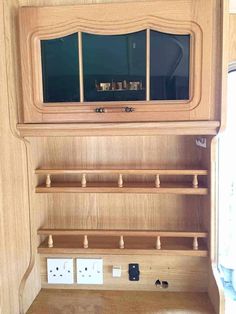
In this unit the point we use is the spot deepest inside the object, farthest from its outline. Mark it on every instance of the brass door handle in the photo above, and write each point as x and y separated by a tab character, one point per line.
114	109
100	110
129	109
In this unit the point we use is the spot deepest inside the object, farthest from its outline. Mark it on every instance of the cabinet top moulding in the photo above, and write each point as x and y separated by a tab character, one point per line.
120	129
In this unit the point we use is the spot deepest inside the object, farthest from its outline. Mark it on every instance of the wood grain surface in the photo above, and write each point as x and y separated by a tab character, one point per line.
114	302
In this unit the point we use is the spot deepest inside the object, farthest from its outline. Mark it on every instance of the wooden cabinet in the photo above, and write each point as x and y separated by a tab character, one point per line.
129	62
140	188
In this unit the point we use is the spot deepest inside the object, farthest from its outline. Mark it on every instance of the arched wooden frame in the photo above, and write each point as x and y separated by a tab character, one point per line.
110	28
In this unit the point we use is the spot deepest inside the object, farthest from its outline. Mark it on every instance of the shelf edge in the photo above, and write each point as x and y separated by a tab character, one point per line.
119	129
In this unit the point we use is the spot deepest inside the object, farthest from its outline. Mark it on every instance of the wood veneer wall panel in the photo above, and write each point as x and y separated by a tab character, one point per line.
127	152
122	211
192	277
115	211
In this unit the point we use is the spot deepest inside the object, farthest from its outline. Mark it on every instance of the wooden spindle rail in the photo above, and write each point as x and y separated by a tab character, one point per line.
48	181
175	187
50	241
122	243
157	181
120	181
195	243
195	181
83	181
85	243
150	241
158	243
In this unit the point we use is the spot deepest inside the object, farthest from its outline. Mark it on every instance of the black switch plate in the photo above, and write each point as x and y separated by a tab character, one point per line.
134	272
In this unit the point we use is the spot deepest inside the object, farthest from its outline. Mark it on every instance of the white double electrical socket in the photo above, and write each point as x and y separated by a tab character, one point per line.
60	270
89	271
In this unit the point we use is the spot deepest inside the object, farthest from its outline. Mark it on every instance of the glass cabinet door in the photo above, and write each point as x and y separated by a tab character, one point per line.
60	69
114	67
169	66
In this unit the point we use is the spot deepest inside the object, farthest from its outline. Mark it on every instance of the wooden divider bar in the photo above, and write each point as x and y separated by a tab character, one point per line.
119	233
183	172
121	245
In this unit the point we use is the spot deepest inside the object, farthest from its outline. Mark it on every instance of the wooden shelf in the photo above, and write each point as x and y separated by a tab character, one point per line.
155	186
120	129
131	233
61	241
182	172
110	187
91	301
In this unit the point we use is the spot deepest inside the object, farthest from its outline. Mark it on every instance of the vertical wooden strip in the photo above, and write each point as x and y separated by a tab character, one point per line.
148	64
120	181
158	243
85	242
195	243
81	75
50	241
83	181
48	181
195	181
122	243
157	181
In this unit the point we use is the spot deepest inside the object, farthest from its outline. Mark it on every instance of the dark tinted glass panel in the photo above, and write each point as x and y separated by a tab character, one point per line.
114	67
60	67
169	66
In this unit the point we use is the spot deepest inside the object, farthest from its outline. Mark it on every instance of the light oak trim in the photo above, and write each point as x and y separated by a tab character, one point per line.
110	187
181	172
166	252
81	69
121	129
130	233
148	62
110	246
225	53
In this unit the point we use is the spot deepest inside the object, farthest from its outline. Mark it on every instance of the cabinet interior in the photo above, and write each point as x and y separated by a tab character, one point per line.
166	212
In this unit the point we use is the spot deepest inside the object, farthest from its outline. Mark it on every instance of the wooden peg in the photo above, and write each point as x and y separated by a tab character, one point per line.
85	242
83	181
120	181
50	241
195	243
158	243
48	181
195	181
157	181
122	243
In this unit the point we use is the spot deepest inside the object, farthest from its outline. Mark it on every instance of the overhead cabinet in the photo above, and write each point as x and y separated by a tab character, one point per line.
144	61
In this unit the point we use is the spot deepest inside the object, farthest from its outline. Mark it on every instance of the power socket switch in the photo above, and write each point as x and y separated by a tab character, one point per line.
60	270
89	271
116	271
134	272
